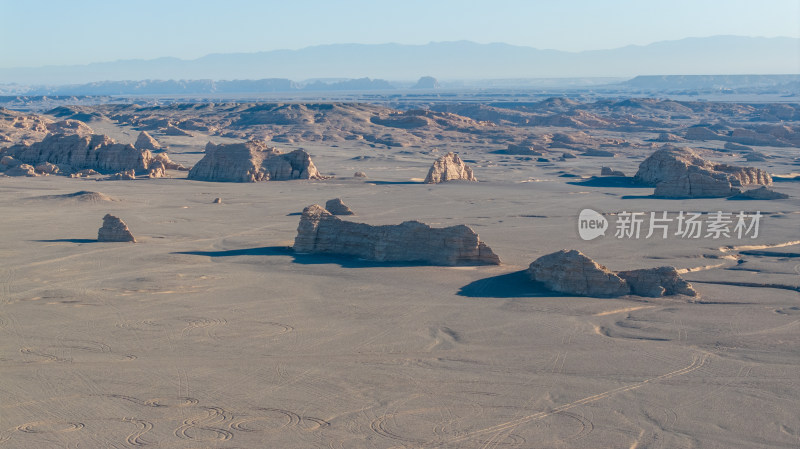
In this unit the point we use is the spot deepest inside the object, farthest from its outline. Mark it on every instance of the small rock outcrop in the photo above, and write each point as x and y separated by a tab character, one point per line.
125	175
321	232
172	130
114	230
146	142
608	171
252	161
73	153
681	173
571	272
337	207
761	193
667	137
449	167
656	282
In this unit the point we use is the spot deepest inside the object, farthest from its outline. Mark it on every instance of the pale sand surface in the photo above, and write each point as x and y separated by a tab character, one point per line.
210	333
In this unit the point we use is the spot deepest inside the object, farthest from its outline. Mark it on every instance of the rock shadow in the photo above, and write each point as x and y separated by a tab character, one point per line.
307	259
390	183
607	181
510	285
67	241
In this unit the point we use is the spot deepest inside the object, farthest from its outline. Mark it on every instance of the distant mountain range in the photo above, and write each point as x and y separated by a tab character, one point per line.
461	60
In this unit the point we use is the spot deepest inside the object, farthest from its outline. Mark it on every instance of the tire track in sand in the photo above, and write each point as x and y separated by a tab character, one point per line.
206	422
499	429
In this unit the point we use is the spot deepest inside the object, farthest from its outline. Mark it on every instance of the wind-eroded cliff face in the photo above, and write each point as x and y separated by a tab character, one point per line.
681	173
411	241
252	161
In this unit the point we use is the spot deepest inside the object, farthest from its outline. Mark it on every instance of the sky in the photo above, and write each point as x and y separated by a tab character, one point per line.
51	32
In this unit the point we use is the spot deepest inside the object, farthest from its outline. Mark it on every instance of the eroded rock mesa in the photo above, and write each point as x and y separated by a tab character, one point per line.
321	232
449	167
114	230
252	161
72	153
681	173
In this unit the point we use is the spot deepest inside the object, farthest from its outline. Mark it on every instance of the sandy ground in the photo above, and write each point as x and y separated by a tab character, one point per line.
209	332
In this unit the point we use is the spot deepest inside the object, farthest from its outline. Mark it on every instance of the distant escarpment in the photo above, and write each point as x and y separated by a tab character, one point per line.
252	161
682	173
73	153
321	232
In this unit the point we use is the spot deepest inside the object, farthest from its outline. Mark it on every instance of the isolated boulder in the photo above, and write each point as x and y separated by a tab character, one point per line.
146	142
114	230
682	173
607	171
656	282
571	272
449	167
320	232
252	161
337	207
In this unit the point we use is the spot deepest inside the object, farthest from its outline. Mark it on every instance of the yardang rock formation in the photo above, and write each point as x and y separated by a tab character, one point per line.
449	167
114	230
146	142
681	173
321	232
73	153
572	272
252	161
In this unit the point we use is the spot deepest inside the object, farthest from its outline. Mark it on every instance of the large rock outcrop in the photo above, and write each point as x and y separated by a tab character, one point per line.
571	272
323	233
681	173
655	282
449	167
252	161
114	230
75	152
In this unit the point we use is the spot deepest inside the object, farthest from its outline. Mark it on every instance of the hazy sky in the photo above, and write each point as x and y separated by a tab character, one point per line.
43	32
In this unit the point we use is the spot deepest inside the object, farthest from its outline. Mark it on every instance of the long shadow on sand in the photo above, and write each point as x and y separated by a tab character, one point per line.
511	285
67	241
390	183
607	181
305	259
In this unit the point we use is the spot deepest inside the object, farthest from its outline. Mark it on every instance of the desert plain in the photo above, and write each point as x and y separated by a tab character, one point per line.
210	331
